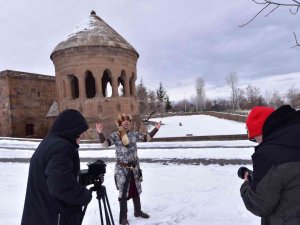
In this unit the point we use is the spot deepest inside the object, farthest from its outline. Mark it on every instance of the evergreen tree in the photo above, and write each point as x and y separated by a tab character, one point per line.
168	103
160	96
161	93
142	97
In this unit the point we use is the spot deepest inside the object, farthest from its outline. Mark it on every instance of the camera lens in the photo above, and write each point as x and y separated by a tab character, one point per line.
241	172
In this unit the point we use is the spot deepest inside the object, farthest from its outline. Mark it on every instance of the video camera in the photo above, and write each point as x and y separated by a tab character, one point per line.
241	173
94	174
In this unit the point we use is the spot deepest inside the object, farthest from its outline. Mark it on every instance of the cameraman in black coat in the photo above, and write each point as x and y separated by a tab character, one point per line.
273	193
54	196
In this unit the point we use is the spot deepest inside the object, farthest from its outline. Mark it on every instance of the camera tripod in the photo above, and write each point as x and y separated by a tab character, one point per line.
101	196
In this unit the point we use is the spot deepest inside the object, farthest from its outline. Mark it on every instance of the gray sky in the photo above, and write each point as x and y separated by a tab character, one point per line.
178	40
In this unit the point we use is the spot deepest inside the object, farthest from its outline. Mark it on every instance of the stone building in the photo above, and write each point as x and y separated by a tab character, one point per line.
95	73
25	100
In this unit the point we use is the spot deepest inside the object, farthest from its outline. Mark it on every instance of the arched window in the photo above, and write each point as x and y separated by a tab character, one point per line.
74	86
90	87
121	83
106	84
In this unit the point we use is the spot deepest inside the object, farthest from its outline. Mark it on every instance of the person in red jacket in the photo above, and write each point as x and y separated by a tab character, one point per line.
53	195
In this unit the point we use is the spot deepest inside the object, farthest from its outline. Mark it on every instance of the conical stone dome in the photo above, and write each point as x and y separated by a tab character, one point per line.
95	69
94	32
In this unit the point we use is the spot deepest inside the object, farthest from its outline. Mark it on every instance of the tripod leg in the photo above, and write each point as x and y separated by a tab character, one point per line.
99	202
107	218
101	195
109	210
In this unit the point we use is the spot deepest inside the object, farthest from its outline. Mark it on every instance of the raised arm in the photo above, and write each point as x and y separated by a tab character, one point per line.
105	142
148	136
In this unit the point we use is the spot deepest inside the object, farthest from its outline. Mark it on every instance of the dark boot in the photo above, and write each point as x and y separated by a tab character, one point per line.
123	212
137	208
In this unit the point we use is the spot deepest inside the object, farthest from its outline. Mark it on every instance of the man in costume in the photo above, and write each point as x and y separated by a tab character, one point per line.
128	174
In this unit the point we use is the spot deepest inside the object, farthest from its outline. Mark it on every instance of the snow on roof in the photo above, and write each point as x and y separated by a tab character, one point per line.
94	32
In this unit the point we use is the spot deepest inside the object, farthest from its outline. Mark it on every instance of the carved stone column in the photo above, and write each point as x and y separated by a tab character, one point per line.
81	84
98	83
114	86
68	88
132	86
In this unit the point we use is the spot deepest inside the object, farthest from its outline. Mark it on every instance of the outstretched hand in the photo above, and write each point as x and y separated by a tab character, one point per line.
157	125
99	128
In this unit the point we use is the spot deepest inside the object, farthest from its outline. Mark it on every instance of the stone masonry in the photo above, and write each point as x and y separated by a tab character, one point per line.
95	73
25	100
88	64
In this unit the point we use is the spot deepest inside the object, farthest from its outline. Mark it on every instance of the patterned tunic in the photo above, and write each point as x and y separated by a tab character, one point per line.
127	154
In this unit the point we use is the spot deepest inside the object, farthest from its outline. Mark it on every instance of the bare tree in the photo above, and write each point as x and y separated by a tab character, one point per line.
183	106
253	96
233	81
220	104
152	107
208	104
270	6
274	99
293	97
241	99
200	94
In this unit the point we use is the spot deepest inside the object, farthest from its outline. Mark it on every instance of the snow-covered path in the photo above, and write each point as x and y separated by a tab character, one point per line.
172	194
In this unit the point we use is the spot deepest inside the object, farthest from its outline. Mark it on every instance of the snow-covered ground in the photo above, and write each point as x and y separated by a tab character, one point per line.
172	194
198	125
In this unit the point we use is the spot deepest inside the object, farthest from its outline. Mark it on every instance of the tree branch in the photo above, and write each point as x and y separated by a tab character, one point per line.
272	11
294	13
282	4
277	5
274	3
146	120
255	15
296	40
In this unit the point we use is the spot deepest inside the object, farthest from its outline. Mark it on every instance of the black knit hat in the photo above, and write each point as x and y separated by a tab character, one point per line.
283	117
69	124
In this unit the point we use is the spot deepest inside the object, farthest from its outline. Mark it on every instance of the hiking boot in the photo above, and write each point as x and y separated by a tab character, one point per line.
137	208
123	212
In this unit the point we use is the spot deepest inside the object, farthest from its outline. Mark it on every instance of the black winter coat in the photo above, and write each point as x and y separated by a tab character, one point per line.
274	192
53	196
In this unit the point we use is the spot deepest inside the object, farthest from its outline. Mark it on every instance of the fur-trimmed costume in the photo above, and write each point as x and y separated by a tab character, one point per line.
127	155
128	175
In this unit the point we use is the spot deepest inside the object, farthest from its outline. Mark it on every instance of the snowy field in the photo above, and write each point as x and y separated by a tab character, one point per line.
198	125
172	194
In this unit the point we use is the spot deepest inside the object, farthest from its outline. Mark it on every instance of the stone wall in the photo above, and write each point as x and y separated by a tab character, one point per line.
5	116
31	96
105	111
227	116
97	60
